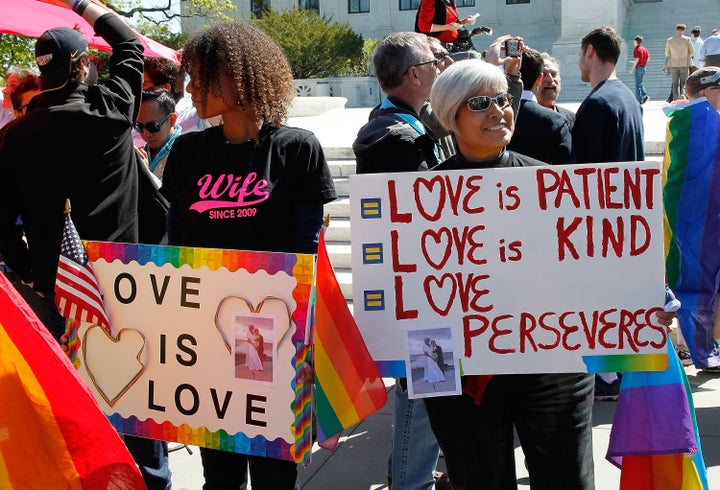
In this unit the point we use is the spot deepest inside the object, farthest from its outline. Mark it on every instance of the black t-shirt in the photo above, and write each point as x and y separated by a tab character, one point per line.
249	196
505	159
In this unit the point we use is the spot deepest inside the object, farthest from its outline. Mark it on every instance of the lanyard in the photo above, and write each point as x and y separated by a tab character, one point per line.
411	120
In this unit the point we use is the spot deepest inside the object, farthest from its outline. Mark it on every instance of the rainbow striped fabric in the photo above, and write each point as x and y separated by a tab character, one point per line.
53	433
654	438
348	386
691	179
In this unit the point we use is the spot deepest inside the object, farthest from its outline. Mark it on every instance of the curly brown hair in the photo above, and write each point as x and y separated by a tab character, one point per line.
161	71
258	66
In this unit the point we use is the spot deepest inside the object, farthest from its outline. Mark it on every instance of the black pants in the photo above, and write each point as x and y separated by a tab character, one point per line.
552	414
44	308
151	457
228	471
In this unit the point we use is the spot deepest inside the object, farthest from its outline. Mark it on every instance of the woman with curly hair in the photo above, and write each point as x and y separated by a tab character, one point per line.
251	183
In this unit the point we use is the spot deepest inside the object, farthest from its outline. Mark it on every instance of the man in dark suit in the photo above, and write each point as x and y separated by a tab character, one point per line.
548	90
439	356
539	132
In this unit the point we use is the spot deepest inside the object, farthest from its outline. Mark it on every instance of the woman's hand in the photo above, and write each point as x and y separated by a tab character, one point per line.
307	374
64	340
452	26
470	19
665	318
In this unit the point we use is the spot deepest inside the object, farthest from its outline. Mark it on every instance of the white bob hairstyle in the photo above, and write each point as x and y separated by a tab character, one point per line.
458	83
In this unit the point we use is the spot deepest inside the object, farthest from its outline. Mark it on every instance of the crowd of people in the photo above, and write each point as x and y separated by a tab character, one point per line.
438	115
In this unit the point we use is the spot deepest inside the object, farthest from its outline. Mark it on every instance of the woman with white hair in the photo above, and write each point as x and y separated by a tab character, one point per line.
551	413
473	102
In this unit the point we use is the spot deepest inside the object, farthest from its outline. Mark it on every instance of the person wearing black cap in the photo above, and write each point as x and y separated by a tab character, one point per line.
705	82
75	142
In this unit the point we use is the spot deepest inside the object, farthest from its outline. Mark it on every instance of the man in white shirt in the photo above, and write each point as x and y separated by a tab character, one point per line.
697	43
710	52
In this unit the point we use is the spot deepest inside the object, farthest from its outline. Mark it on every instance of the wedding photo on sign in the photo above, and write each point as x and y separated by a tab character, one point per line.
536	269
204	347
431	362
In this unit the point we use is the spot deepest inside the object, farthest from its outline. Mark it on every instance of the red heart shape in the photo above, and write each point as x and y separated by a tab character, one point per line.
420	200
437	237
440	287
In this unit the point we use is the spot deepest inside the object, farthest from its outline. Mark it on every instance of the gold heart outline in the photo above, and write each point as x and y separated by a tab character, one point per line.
256	310
114	340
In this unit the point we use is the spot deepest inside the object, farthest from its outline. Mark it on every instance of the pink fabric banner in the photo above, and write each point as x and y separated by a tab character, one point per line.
33	17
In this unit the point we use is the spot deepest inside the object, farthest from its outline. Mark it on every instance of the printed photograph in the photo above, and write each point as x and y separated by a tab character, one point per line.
431	362
255	339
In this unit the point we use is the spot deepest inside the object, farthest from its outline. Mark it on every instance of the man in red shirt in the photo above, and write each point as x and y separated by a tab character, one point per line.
439	18
641	56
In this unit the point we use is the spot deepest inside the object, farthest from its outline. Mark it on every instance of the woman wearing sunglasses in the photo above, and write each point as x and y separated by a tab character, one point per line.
550	412
479	114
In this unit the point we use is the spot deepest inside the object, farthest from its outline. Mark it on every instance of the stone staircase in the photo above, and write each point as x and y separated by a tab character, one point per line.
338	233
655	21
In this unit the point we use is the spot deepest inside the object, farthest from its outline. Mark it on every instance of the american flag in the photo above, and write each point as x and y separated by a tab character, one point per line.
77	294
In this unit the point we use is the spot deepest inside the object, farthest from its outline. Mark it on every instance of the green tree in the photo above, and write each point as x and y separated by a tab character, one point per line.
16	51
162	34
363	67
162	12
315	46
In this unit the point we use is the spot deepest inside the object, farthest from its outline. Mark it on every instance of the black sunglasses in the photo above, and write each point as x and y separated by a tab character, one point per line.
481	103
441	56
434	61
152	126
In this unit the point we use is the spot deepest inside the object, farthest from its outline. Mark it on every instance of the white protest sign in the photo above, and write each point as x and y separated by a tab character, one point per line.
201	346
539	269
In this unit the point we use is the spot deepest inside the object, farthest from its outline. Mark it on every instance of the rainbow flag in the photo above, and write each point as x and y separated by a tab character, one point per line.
348	386
691	179
654	438
53	434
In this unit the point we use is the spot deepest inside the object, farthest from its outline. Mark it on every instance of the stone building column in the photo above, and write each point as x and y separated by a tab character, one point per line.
578	17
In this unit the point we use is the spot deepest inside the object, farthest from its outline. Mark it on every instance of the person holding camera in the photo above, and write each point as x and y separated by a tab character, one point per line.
439	18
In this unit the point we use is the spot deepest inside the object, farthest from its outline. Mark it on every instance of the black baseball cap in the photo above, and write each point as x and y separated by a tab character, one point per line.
55	51
702	78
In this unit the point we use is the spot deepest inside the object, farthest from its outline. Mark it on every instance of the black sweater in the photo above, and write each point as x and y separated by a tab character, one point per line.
75	144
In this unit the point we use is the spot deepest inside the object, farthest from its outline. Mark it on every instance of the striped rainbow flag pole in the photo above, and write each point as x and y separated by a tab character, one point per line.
348	386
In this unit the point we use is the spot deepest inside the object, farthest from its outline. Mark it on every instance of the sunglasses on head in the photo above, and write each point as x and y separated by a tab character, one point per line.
152	126
481	103
710	78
